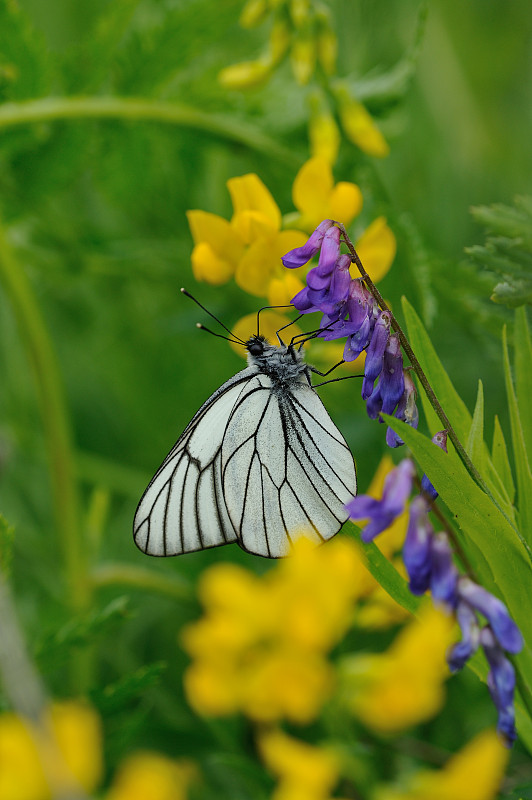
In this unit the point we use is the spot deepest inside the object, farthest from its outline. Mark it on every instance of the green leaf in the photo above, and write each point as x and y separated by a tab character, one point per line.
522	466
523	376
506	567
116	696
454	406
475	440
24	62
500	460
384	572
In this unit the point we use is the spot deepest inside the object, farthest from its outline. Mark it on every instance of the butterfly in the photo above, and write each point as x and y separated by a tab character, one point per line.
260	464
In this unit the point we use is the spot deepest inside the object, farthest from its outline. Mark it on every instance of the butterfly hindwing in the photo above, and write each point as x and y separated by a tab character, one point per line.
286	468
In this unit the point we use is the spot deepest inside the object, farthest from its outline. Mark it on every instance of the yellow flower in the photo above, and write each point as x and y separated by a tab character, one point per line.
376	248
403	686
262	646
316	196
305	772
249	247
31	763
359	126
475	773
149	776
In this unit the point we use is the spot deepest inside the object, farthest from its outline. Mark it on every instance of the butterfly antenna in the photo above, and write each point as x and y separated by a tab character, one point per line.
266	308
219	335
219	321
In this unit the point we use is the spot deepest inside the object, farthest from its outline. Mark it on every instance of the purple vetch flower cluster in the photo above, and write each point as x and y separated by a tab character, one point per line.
351	313
429	563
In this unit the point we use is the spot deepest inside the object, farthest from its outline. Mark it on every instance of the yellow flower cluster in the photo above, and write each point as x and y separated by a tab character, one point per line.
475	773
304	772
404	685
262	646
34	763
302	29
250	245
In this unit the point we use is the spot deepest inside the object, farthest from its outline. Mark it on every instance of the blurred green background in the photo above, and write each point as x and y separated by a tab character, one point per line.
95	212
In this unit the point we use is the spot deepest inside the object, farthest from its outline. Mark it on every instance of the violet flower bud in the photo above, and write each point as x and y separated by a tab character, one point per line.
444	575
381	513
300	255
501	684
375	353
417	546
504	628
462	651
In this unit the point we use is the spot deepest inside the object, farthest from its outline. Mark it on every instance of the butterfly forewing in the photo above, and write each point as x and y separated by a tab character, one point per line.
183	508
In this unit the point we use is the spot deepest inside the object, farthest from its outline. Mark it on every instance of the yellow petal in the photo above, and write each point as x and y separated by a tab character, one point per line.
376	248
256	268
248	193
303	57
345	202
150	776
78	732
282	290
208	267
360	129
311	189
245	75
217	232
324	137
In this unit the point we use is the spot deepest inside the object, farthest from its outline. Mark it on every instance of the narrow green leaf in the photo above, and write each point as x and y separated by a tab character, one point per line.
500	459
523	375
506	567
522	467
454	406
475	440
384	572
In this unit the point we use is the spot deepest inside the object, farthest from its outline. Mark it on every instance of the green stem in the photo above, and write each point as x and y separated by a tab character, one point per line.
141	578
139	108
54	415
473	471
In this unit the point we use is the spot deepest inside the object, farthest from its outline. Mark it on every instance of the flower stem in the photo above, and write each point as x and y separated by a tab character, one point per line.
141	578
140	108
54	416
415	363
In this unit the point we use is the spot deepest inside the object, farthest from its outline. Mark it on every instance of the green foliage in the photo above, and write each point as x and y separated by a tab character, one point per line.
508	250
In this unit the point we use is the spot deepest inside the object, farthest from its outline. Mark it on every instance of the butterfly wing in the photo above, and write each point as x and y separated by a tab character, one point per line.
183	509
286	468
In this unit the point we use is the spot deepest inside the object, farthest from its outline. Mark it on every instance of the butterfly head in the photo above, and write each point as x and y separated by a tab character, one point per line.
282	363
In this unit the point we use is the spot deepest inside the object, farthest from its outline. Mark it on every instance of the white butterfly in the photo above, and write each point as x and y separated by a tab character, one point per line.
260	464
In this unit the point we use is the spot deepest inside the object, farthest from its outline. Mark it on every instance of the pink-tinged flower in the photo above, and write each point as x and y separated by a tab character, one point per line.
381	513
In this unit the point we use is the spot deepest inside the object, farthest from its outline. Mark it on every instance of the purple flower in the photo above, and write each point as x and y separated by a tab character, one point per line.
501	683
439	439
406	410
391	378
504	628
397	488
329	291
444	575
375	353
464	649
418	545
300	255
